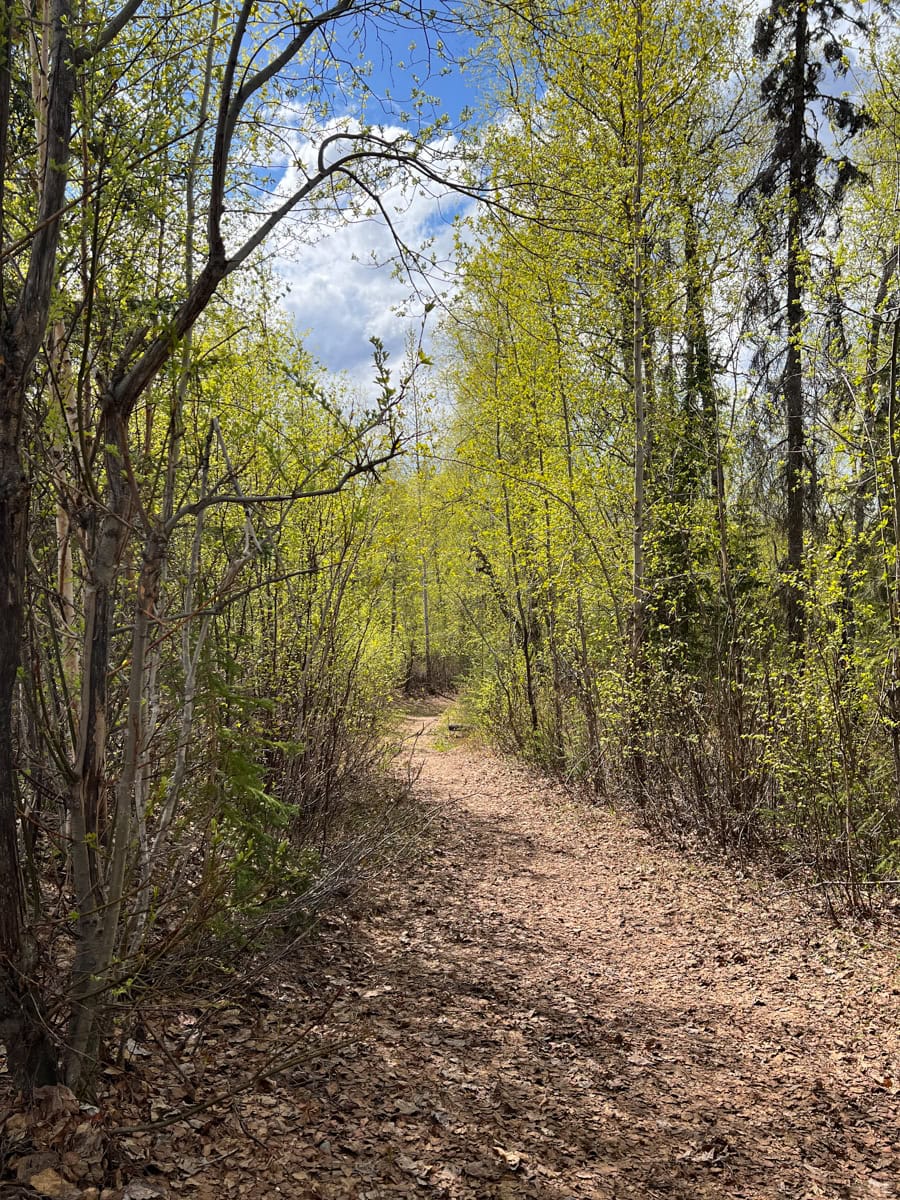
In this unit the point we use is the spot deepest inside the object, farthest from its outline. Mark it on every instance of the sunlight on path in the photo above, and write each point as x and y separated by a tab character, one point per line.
553	1007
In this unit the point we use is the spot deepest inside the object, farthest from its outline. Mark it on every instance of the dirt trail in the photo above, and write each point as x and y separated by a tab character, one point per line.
548	1005
555	1007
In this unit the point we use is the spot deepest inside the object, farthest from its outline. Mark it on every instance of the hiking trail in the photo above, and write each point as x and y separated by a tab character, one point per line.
545	1003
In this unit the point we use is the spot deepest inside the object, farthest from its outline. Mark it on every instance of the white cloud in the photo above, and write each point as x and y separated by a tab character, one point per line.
339	298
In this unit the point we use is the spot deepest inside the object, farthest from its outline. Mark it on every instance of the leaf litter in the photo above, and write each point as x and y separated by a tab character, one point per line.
542	1004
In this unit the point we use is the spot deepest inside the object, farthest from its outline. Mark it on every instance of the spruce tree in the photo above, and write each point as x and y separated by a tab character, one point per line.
804	43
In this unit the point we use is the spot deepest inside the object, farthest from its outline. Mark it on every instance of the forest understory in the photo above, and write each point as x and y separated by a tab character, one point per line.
619	468
540	1002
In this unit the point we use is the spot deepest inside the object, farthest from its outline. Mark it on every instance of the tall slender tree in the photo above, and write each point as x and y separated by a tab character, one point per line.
803	43
94	67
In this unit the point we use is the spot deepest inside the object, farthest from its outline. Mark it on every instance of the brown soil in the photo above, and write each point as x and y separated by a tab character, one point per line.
543	1003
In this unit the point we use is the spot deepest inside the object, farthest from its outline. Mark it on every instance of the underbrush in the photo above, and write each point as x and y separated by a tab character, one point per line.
792	768
236	1003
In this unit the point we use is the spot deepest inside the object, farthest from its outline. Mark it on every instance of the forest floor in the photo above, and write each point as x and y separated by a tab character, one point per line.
544	1003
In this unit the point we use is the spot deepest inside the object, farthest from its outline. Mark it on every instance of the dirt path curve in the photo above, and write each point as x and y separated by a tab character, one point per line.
554	1007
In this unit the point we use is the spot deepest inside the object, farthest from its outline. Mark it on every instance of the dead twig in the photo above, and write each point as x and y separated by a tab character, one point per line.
248	1082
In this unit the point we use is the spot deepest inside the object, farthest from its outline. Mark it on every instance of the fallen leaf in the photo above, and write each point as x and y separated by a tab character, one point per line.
50	1183
57	1097
139	1189
480	1170
512	1158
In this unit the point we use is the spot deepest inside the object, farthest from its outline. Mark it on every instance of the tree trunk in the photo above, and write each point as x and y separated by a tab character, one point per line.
30	1051
89	818
641	432
793	370
32	1056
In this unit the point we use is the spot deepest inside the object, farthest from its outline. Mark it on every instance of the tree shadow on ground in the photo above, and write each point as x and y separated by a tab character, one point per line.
507	1057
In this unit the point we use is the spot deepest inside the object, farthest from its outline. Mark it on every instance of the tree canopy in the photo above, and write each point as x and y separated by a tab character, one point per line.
637	499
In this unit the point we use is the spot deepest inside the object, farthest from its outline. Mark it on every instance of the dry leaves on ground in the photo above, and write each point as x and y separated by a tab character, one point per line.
544	1004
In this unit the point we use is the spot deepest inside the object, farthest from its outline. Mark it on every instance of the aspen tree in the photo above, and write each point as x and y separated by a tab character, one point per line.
620	132
65	204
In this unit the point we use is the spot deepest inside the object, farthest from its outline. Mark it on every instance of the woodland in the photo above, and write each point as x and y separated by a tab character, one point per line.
630	494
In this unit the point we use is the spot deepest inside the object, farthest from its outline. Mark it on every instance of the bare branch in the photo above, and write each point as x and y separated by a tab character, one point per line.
367	466
110	31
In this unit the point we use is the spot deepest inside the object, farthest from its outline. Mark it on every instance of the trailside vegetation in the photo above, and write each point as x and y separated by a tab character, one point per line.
642	509
674	443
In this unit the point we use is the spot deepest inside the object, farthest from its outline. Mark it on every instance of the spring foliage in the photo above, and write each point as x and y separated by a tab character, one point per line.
644	510
619	454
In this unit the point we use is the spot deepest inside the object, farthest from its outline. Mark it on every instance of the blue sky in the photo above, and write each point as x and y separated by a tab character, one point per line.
337	298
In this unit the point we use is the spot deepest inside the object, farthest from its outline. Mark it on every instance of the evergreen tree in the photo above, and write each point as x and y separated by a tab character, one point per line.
803	43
